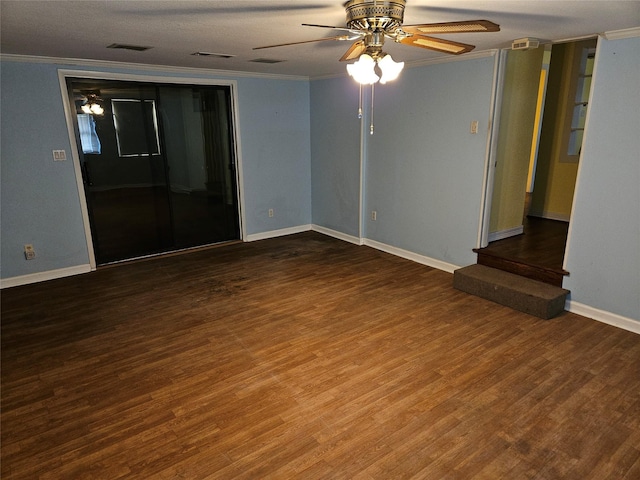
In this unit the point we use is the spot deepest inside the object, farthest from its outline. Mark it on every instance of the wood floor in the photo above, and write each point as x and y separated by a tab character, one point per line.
306	357
542	243
537	253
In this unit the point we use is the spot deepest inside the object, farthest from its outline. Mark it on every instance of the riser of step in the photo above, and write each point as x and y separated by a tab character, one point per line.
524	294
535	272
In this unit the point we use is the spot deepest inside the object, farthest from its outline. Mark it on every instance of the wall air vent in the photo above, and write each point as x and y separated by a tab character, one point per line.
266	60
211	54
525	43
122	46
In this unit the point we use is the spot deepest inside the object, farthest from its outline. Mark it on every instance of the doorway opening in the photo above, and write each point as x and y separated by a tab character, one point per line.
158	165
542	119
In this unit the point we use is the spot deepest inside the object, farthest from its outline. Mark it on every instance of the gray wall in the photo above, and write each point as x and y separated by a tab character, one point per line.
424	168
335	155
275	143
40	202
300	140
39	197
603	254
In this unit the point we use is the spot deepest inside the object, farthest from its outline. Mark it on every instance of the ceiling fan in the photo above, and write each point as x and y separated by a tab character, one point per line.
370	22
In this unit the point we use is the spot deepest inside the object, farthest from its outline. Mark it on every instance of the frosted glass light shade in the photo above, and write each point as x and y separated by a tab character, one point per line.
390	69
362	70
97	109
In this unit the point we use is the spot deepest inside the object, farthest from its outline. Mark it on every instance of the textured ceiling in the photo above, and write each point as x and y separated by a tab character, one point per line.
176	29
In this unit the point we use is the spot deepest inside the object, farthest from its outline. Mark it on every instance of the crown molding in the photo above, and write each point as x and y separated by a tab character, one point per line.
620	34
452	58
63	62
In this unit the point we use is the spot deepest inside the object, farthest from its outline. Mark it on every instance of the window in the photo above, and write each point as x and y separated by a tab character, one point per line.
88	135
136	126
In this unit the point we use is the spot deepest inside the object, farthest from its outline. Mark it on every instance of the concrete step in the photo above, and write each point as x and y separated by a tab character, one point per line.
520	293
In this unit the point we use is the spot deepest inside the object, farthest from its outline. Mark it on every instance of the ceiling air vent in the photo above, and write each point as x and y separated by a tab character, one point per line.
211	54
525	43
122	46
266	60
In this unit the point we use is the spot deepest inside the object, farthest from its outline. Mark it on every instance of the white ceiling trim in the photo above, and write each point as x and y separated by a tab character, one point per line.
452	58
146	67
620	34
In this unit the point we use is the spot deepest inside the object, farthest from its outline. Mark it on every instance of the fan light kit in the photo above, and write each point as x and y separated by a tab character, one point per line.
363	71
370	22
92	105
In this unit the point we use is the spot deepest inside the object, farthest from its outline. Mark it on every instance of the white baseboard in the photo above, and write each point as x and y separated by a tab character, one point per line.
561	217
44	276
399	252
277	233
603	316
335	234
510	232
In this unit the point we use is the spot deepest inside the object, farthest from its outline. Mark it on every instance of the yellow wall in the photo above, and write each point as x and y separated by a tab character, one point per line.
556	171
517	116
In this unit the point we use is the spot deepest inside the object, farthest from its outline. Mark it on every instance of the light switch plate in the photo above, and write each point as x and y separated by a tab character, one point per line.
59	155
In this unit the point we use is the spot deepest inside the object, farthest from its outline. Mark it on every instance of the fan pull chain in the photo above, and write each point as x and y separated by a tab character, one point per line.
360	103
371	126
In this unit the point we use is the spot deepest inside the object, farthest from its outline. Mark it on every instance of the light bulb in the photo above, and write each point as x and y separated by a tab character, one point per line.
85	108
390	69
362	71
97	109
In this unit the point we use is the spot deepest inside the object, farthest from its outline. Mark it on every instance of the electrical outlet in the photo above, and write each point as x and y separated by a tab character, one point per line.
271	213
29	252
474	127
374	215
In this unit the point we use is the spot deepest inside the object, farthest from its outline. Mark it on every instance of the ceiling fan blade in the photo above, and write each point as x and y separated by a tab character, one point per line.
339	37
358	33
437	44
453	27
355	50
325	26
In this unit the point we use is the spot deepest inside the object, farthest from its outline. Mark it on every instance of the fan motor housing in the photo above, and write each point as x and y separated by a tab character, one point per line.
375	15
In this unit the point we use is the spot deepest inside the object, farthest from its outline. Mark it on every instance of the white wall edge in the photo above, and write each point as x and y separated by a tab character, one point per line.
624	33
603	316
77	167
491	152
44	276
277	233
335	234
510	232
399	252
452	58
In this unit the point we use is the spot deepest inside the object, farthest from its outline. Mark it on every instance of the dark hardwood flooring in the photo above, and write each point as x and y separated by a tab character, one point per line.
306	357
537	253
543	243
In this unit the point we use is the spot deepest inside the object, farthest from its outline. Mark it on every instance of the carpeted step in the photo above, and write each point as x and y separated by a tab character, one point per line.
520	293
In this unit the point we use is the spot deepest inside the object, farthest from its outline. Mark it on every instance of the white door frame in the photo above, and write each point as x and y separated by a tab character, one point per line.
500	61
